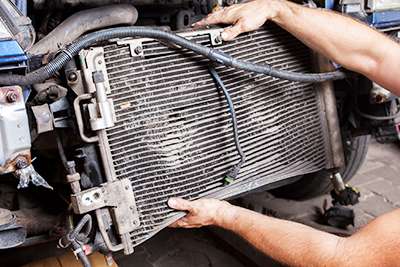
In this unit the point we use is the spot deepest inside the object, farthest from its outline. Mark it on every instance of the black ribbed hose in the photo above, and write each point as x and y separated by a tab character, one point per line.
74	239
90	39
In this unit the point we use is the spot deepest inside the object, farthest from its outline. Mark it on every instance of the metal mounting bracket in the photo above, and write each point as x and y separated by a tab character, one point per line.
135	46
93	61
101	110
116	195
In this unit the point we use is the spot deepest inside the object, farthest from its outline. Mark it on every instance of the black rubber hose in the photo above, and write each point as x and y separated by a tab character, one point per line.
84	224
87	20
77	248
81	231
90	39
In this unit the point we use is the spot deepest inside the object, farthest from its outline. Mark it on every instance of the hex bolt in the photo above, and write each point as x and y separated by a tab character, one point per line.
138	50
72	77
12	96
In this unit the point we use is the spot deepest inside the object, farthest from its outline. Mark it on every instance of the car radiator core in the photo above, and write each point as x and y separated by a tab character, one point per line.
173	134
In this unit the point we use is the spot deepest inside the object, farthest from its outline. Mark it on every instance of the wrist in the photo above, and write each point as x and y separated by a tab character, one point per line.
277	10
225	215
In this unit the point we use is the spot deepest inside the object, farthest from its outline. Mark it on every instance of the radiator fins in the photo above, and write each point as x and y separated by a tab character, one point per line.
173	135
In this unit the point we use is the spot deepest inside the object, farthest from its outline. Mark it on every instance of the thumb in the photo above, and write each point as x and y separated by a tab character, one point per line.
179	204
231	32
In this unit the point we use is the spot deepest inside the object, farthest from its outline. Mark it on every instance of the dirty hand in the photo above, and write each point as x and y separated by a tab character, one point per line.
201	212
243	17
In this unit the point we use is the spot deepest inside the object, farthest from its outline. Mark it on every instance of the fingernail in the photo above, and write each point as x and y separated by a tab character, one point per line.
172	202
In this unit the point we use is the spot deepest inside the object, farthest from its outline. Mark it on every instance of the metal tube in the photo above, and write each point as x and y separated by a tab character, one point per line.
103	232
328	97
338	183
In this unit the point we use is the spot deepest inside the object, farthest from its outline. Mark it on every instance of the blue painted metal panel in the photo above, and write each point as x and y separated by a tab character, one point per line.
385	19
11	52
329	4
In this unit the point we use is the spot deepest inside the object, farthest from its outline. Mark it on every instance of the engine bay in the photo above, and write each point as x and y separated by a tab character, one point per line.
108	109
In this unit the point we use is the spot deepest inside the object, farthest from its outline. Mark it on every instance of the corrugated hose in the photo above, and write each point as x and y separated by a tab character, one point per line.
64	56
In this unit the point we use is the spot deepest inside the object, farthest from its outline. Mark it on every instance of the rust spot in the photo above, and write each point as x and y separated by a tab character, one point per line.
11	165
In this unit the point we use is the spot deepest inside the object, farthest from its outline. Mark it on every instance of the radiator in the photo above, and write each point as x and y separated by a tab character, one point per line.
173	134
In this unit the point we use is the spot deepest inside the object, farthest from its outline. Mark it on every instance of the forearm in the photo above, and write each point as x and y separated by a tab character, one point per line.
290	243
294	244
342	39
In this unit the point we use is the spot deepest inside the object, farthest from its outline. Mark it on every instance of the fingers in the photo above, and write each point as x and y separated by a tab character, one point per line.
230	33
211	19
184	224
180	204
227	15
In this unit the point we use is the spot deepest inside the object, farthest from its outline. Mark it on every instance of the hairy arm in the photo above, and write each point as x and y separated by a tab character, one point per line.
342	39
295	244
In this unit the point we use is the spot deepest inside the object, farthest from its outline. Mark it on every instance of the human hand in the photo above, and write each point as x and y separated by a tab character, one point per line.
243	17
201	212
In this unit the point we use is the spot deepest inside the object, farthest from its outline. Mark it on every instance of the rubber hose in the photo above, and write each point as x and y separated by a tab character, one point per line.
86	222
77	248
73	49
82	22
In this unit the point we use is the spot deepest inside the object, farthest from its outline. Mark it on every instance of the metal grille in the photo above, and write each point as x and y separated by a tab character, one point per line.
173	135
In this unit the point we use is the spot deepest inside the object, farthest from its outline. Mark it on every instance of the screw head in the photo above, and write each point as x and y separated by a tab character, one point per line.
138	50
12	96
72	77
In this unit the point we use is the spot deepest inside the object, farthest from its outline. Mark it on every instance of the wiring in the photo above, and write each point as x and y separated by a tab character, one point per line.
378	118
74	239
64	56
234	171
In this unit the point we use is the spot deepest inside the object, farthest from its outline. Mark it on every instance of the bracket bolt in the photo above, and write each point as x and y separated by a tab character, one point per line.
12	96
72	77
138	50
